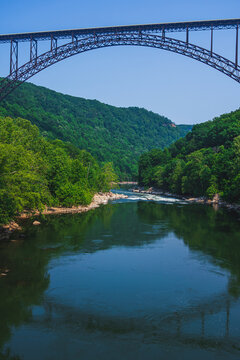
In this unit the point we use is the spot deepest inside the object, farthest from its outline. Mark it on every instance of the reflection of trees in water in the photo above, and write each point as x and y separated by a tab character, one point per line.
22	287
128	224
112	225
215	233
27	261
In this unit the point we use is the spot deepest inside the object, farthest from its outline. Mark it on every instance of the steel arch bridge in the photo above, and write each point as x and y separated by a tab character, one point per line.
81	40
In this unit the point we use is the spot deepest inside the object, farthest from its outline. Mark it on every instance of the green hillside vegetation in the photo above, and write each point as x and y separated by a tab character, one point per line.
205	162
110	134
35	172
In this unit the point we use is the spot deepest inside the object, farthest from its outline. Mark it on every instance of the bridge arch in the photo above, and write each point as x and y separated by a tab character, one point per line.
95	41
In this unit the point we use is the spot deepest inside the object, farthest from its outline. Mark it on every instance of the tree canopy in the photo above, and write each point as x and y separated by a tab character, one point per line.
110	134
35	172
205	162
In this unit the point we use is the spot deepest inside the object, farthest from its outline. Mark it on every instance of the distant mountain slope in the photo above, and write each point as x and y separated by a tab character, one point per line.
109	133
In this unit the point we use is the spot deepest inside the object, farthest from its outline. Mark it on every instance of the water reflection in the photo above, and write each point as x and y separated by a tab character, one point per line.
214	233
169	328
202	322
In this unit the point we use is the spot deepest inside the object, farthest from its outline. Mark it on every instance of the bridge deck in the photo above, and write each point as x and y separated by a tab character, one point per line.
167	27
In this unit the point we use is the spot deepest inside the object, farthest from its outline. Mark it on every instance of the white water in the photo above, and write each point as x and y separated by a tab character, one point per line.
148	197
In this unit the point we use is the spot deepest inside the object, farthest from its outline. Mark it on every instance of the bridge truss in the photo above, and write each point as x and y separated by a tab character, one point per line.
82	40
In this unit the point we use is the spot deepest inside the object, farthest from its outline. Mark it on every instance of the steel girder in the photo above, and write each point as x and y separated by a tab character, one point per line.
147	28
92	42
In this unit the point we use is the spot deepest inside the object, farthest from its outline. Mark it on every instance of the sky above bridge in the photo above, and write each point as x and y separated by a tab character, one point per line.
173	85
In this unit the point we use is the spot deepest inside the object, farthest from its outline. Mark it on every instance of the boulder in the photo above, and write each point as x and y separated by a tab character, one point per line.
216	199
36	222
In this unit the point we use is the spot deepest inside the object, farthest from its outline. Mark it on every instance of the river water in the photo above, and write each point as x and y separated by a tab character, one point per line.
142	278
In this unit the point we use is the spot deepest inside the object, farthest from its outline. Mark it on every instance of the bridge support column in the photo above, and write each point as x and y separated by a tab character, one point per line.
236	55
163	34
187	35
53	44
95	36
211	41
14	58
74	38
33	50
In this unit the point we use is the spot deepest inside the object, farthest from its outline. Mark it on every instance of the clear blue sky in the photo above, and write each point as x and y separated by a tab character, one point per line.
182	89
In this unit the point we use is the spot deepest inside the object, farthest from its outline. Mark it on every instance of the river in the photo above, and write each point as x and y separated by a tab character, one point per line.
140	278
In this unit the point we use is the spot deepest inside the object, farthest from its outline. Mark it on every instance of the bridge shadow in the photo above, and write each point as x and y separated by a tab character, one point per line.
28	280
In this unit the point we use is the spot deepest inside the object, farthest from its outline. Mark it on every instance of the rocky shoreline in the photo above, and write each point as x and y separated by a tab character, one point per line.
103	198
98	199
216	201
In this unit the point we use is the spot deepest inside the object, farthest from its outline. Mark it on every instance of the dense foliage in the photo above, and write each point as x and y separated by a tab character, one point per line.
35	172
118	135
205	162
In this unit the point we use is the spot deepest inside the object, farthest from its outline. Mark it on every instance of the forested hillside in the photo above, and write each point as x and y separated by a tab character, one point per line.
205	162
35	172
119	135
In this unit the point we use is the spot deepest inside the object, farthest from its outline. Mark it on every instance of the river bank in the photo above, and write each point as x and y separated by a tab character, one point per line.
216	201
98	199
